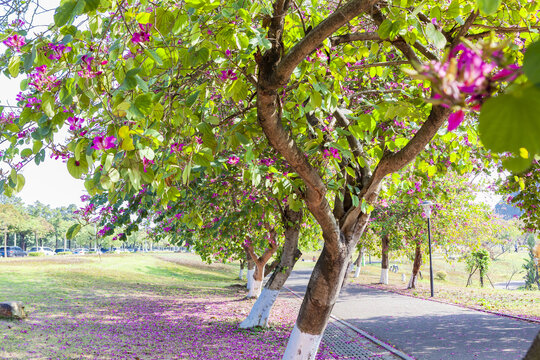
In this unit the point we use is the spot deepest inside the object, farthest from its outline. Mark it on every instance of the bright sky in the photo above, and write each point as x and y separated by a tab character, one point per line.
50	182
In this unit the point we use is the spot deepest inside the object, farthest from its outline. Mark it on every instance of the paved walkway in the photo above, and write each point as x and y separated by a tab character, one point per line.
426	329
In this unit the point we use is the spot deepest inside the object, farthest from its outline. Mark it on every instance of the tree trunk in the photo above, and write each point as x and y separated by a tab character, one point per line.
14	239
5	243
321	294
250	271
260	312
241	272
385	243
416	265
260	262
534	350
359	262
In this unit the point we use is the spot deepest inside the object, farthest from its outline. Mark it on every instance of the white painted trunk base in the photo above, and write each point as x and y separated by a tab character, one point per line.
412	282
250	278
260	312
301	346
241	274
255	290
357	271
384	276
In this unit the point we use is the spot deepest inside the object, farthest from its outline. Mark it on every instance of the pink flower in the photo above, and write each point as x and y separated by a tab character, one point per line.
143	35
331	152
104	143
146	162
228	75
455	119
233	160
15	42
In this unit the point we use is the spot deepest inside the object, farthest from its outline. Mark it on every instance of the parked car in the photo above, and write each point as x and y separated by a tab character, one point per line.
44	250
12	251
80	251
62	251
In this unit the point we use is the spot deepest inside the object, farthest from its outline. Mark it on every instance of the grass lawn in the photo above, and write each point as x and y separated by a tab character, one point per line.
453	290
163	306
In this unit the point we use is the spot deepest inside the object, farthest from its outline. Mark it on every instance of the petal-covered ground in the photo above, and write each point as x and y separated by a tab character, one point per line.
134	307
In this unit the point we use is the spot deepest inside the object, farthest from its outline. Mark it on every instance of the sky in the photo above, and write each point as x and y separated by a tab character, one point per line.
50	182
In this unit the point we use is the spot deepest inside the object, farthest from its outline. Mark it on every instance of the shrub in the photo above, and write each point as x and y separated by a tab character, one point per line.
441	275
64	253
36	254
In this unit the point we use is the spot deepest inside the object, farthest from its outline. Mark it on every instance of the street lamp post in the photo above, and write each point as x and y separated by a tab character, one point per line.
427	210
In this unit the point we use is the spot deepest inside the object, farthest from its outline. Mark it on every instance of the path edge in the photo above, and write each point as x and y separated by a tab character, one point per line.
370	337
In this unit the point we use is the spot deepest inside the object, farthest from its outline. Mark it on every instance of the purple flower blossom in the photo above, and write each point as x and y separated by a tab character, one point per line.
143	35
233	160
176	147
228	75
331	152
455	119
104	143
15	42
56	51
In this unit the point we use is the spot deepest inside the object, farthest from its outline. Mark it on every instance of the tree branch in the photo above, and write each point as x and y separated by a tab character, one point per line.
352	37
381	64
315	37
463	30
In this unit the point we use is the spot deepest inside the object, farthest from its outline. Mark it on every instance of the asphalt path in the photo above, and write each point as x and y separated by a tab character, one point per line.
427	329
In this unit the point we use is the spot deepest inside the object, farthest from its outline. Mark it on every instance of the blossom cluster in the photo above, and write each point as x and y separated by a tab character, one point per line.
466	79
15	42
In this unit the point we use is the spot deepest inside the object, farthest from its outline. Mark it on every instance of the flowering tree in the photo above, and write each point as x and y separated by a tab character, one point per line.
146	89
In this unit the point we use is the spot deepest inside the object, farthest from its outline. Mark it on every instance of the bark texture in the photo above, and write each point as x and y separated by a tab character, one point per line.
416	265
385	249
260	262
260	312
344	224
534	350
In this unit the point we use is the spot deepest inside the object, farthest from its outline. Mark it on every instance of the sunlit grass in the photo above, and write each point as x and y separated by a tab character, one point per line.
134	306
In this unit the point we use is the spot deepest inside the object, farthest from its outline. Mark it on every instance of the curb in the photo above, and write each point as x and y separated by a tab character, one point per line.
379	342
515	317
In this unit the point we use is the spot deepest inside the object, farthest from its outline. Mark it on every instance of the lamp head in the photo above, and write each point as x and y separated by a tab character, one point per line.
426	206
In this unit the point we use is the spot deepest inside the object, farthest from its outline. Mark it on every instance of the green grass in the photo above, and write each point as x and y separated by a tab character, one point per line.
133	306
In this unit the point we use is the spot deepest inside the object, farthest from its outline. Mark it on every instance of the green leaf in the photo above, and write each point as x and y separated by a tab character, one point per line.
531	63
77	168
29	59
385	28
510	122
154	55
435	36
190	100
72	231
13	66
66	12
488	7
20	182
144	103
26	152
130	80
91	5
517	164
47	104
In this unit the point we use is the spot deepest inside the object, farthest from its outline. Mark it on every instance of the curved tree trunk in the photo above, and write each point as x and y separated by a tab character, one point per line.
416	265
385	243
260	312
260	262
322	292
534	351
